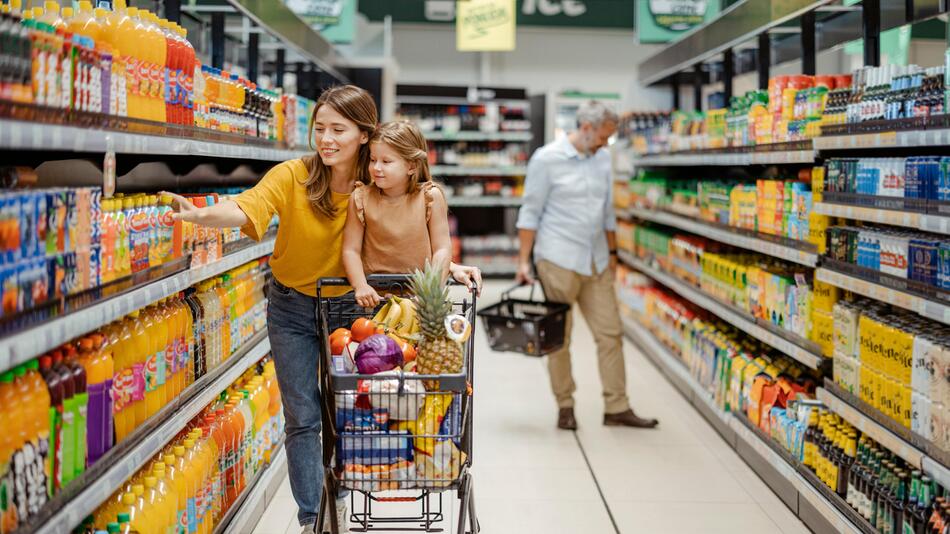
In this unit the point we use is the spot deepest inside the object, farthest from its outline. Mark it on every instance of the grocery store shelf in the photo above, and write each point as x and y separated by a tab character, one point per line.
860	415
909	219
689	159
477	136
820	514
452	170
926	307
25	345
128	457
23	135
762	243
741	320
937	137
484	202
247	511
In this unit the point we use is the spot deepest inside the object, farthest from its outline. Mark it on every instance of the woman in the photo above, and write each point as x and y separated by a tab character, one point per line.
310	195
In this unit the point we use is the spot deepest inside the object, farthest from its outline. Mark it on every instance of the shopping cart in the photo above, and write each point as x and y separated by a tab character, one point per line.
394	437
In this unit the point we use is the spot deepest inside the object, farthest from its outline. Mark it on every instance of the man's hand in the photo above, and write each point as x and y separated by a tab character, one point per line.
525	274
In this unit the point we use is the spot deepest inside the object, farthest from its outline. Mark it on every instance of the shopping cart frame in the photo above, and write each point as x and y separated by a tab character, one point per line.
331	384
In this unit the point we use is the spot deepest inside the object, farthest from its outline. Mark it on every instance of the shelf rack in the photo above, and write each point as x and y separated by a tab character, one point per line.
478	136
926	307
25	345
25	135
797	349
130	455
927	222
837	399
247	511
937	137
738	157
451	170
484	202
804	254
807	501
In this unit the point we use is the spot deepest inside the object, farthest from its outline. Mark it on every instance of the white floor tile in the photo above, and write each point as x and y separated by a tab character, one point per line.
531	477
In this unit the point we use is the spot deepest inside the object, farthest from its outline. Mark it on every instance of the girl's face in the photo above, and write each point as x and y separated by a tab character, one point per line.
337	138
388	168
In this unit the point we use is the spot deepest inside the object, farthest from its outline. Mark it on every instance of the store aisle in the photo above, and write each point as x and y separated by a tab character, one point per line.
531	477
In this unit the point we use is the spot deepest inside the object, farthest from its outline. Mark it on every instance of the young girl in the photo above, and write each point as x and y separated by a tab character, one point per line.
400	221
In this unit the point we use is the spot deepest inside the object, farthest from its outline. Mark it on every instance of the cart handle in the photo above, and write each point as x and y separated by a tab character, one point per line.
383	279
506	293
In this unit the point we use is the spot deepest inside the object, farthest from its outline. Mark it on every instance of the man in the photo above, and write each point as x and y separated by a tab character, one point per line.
568	220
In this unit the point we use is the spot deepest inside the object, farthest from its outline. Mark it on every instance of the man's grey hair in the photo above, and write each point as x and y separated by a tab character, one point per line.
595	113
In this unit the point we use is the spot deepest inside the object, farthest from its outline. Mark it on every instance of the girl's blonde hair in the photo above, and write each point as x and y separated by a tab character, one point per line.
407	140
354	104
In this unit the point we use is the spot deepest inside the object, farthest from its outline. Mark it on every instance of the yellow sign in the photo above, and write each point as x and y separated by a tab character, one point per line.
485	25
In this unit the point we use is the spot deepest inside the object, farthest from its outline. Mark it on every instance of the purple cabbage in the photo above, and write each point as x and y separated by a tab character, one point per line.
376	354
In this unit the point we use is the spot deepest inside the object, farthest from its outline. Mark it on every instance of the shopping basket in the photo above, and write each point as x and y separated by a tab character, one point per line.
532	327
395	436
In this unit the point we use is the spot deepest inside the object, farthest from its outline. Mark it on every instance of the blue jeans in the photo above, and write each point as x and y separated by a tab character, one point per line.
292	330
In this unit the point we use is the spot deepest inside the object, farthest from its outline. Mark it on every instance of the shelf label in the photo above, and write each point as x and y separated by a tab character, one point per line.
887	139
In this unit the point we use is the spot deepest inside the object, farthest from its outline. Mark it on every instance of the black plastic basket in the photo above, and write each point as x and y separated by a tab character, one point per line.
532	327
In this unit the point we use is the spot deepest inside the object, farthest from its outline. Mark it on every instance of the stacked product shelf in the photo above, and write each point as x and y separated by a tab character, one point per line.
913	216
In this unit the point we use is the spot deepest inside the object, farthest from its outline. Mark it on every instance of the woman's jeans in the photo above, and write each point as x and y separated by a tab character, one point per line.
292	329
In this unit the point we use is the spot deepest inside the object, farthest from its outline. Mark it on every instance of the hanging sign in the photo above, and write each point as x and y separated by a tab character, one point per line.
661	21
334	19
485	25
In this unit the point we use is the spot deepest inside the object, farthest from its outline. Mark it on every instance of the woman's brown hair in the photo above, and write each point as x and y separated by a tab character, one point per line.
354	104
407	140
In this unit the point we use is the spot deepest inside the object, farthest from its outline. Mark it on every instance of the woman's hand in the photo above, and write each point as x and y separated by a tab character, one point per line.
467	275
366	296
184	209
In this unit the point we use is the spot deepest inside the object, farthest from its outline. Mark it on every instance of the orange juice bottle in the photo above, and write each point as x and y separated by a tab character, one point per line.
129	36
155	506
130	518
159	344
123	381
10	442
139	352
50	14
224	317
260	399
201	459
176	479
109	21
273	408
160	472
159	58
33	387
84	22
154	369
100	368
176	341
182	466
146	516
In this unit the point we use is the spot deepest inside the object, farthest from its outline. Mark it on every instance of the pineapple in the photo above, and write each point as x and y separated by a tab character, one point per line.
437	354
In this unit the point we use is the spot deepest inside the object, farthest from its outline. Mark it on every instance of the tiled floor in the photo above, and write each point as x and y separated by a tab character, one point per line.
532	478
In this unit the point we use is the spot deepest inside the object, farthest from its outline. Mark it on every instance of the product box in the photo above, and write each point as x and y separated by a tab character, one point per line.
824	296
823	331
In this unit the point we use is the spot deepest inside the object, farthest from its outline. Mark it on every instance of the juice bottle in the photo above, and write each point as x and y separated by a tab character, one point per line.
64	439
166	229
54	384
157	67
211	430
170	76
181	316
154	507
84	22
161	325
107	243
140	346
190	68
185	465
154	364
123	381
260	401
196	347
34	405
109	21
163	315
125	518
123	251
150	209
273	407
9	442
49	14
200	462
176	480
170	497
129	31
232	435
79	409
99	424
221	292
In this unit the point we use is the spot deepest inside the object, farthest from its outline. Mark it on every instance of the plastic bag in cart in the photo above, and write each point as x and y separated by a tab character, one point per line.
401	398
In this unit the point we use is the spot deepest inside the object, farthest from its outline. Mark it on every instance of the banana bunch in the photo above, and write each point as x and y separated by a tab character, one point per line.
398	316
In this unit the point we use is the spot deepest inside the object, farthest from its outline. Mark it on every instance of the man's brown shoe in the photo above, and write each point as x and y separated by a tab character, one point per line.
628	418
565	419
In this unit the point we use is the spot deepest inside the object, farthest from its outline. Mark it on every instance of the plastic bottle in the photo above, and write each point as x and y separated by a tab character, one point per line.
190	69
184	462
123	381
99	370
154	506
63	443
80	408
176	480
123	250
139	353
84	22
56	388
157	61
169	496
125	518
274	406
154	363
9	443
34	403
160	321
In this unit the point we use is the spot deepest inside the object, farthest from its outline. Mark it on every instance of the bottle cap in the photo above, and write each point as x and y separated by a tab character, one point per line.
179	450
112	528
151	482
51	6
128	498
85	6
123	517
67	12
138	490
169	459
